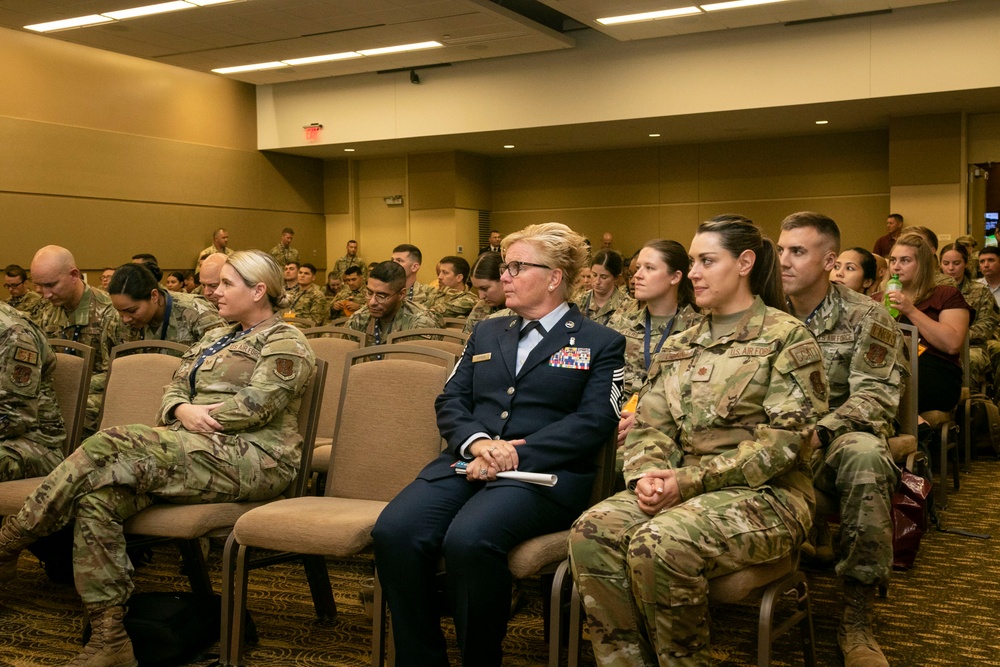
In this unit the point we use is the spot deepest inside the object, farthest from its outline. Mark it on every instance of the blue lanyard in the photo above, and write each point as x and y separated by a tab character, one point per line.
215	348
666	332
166	317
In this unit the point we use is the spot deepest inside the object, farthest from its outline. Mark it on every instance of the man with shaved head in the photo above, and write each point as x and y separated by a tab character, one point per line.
220	243
74	311
211	275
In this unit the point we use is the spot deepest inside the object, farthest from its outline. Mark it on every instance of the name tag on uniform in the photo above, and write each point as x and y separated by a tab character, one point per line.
476	358
246	350
571	357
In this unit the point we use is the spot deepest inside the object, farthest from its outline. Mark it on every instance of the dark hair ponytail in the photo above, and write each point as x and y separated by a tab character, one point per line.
675	256
135	281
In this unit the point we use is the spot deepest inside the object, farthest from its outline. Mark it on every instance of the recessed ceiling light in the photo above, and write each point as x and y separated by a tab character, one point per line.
348	150
419	46
822	122
148	10
508	145
654	135
322	59
735	4
650	16
66	24
249	68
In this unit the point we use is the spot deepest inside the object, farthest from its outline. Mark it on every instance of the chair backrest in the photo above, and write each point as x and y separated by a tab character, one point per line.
449	340
966	371
310	410
386	425
907	414
605	479
332	331
340	321
454	323
334	352
137	375
71	382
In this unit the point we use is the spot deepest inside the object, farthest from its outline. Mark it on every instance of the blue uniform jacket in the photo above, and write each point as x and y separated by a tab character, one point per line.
564	407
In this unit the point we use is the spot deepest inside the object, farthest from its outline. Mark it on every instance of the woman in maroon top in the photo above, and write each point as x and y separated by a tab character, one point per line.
941	316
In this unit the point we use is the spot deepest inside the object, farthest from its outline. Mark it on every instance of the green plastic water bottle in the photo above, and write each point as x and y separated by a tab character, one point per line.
892	286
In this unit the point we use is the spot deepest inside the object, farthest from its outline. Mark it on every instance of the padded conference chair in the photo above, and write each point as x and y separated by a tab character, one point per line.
545	555
448	340
359	485
335	331
138	372
454	323
71	382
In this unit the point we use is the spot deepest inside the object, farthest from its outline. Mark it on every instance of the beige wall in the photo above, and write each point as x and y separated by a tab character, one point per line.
153	162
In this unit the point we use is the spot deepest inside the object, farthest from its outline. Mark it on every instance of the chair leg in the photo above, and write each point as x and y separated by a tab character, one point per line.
967	435
794	584
378	625
195	566
239	606
943	470
557	595
228	592
319	585
575	627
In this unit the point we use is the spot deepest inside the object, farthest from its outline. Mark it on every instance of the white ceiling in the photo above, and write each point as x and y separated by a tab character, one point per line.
256	31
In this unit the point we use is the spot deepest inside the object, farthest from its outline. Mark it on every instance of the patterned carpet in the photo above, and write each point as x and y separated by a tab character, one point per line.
942	612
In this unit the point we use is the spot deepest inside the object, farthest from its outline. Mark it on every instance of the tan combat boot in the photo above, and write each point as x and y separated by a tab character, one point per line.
857	634
109	645
12	541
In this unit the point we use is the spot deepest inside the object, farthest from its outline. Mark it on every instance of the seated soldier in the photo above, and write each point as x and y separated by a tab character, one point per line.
291	274
22	297
334	284
352	295
387	309
31	427
452	297
309	303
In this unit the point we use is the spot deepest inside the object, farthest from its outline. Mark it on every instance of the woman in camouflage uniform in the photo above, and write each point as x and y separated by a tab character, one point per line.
604	299
228	432
985	319
486	279
717	467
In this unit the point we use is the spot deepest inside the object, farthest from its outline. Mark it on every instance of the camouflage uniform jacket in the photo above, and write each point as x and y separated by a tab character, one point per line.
27	303
259	379
283	255
482	311
358	298
210	250
734	412
618	302
191	317
28	407
419	293
986	321
448	302
83	325
632	325
347	262
310	303
864	363
409	316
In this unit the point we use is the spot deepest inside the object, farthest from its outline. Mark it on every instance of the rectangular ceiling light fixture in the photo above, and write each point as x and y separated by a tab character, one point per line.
736	4
311	60
419	46
250	68
66	24
122	14
650	16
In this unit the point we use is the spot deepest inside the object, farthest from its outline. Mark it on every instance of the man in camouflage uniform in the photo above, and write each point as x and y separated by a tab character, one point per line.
75	311
862	349
211	277
351	296
409	257
22	297
483	311
982	330
32	434
283	253
255	378
309	302
452	297
722	439
387	309
350	259
220	244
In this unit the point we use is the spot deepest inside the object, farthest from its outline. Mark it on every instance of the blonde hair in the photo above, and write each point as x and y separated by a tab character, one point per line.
923	281
256	266
559	247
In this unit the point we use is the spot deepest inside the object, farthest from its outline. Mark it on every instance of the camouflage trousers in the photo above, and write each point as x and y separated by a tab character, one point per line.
119	472
858	469
979	365
644	580
21	458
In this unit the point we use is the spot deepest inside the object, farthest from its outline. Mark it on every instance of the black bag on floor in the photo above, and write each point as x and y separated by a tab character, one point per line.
169	629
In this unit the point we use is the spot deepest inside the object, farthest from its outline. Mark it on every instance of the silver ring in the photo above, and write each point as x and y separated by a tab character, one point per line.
492	449
483	471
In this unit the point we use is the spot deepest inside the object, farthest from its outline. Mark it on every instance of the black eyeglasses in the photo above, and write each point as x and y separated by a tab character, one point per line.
378	296
514	268
13	285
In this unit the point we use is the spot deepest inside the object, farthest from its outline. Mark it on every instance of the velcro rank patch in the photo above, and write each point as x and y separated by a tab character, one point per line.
804	353
26	356
884	334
